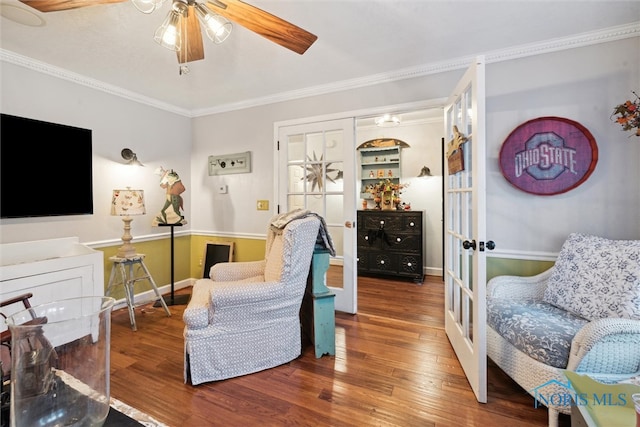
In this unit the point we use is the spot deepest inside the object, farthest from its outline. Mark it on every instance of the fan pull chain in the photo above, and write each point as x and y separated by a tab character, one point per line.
184	69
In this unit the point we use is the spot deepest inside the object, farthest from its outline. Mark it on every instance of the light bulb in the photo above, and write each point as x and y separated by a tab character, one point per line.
217	27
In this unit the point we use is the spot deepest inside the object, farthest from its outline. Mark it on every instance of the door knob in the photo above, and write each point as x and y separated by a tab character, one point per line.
469	244
490	245
348	224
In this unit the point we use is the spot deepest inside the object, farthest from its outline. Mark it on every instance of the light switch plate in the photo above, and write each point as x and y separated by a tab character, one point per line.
230	163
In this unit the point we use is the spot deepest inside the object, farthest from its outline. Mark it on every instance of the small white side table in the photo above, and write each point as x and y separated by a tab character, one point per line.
128	276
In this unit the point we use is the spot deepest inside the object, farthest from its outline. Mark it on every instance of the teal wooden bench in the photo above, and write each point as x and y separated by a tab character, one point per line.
317	313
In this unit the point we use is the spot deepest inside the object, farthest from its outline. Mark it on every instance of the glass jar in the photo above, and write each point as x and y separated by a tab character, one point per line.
60	361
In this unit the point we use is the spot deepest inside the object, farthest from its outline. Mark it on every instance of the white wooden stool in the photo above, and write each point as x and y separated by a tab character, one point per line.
128	278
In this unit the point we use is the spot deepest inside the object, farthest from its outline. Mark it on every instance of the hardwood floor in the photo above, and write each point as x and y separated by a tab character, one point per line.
393	367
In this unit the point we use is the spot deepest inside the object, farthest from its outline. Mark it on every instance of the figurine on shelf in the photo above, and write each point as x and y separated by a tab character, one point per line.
390	173
371	174
396	202
377	199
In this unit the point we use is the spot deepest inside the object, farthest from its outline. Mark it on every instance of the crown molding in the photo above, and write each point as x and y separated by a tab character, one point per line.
64	74
538	48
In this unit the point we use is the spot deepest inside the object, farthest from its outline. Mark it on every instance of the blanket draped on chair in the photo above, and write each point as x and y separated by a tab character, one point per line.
279	222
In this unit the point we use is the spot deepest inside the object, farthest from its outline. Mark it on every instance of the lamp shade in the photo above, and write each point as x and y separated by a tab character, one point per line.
169	34
216	27
127	202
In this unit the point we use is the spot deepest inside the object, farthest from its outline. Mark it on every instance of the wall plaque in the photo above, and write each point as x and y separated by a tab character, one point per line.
455	152
548	155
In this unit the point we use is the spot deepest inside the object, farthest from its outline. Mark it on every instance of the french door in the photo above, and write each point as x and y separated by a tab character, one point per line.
465	256
316	172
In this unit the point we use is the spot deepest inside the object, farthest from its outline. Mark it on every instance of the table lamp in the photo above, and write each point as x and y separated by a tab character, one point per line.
126	203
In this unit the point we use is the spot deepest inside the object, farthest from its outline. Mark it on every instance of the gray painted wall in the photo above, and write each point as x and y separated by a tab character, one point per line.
582	84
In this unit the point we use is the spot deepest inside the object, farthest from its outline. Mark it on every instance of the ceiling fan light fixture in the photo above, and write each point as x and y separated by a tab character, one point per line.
217	27
147	6
168	34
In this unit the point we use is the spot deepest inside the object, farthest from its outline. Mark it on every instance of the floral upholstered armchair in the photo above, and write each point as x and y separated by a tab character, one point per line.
581	315
245	318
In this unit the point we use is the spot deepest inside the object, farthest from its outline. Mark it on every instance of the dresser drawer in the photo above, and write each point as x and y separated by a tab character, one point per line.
410	264
390	263
404	242
382	262
412	223
378	220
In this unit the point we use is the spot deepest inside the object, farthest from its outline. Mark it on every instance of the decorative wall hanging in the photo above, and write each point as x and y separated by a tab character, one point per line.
314	173
230	163
548	155
455	152
171	212
628	115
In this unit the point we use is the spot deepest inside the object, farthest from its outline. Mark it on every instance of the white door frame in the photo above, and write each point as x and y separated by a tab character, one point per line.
465	230
356	114
316	133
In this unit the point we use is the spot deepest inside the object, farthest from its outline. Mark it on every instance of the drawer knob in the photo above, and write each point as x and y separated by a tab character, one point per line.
409	264
366	237
381	261
381	222
412	224
398	239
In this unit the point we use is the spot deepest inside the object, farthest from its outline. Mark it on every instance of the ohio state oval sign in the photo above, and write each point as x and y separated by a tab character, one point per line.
548	155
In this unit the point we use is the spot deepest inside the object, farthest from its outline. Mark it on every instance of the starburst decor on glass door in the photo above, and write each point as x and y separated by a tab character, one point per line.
314	172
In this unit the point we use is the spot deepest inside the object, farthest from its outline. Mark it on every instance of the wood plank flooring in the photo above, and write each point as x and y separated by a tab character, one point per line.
393	367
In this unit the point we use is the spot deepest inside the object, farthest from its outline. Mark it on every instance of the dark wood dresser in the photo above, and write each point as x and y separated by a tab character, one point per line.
390	243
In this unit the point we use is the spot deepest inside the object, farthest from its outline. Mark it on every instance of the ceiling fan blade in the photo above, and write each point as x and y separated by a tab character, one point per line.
267	25
56	5
191	39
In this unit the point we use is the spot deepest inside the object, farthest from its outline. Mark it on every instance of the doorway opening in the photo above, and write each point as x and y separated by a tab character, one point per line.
421	126
420	170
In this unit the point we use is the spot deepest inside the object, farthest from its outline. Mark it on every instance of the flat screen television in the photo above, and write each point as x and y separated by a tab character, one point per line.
45	169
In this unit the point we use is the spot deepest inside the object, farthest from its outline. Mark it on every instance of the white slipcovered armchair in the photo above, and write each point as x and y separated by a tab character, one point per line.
581	315
245	318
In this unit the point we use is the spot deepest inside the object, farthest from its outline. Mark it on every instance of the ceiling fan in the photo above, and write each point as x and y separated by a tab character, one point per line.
181	29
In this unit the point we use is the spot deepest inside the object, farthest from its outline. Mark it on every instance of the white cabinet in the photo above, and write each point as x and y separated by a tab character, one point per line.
377	164
51	270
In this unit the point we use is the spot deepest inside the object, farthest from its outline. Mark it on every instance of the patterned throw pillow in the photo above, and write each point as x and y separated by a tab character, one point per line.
596	278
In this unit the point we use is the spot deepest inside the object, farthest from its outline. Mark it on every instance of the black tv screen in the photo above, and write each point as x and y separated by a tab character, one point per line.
45	169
